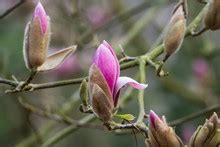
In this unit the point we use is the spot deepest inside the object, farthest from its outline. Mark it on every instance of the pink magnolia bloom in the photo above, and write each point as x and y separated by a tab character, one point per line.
40	12
105	83
106	60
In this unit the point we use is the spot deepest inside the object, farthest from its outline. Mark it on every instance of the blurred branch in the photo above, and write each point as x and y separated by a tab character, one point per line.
66	108
180	89
8	11
195	115
43	113
8	82
123	16
63	118
138	27
68	130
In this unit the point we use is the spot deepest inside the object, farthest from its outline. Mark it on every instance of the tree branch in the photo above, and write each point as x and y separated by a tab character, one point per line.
8	11
194	115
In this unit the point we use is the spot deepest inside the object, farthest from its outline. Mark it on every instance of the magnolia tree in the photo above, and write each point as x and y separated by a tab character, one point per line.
99	92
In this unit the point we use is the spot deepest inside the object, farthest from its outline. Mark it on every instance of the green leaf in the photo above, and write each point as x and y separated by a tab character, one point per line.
128	117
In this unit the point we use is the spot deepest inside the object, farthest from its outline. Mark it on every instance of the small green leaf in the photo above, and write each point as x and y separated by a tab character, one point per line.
128	117
83	93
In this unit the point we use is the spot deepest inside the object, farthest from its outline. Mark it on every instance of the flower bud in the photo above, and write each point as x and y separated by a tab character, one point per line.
36	39
207	135
175	32
212	16
160	134
83	93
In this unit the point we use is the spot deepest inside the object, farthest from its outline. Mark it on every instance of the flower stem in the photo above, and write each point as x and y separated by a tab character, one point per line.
141	92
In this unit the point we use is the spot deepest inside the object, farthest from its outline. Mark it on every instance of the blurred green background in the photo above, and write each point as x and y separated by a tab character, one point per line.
192	85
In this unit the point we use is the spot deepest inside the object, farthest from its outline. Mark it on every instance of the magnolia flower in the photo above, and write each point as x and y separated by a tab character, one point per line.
105	83
160	134
207	135
36	42
175	32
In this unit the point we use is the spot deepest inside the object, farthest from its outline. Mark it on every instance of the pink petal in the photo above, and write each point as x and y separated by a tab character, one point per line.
105	43
152	118
106	62
156	123
122	81
40	12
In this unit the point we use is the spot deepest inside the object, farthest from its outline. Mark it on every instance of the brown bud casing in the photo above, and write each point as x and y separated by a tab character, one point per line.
175	31
161	135
101	104
212	16
35	43
207	135
100	94
57	58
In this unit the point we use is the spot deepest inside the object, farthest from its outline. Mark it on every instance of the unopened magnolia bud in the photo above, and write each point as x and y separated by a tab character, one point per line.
160	134
84	93
207	135
175	32
36	39
212	16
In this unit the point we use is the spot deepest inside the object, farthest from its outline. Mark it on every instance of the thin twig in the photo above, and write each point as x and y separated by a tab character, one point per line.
8	82
194	115
199	32
33	128
57	117
43	113
8	11
65	108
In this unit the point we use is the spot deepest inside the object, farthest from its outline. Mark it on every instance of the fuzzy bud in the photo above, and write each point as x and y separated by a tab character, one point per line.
160	134
207	135
176	31
84	93
212	16
101	98
36	39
